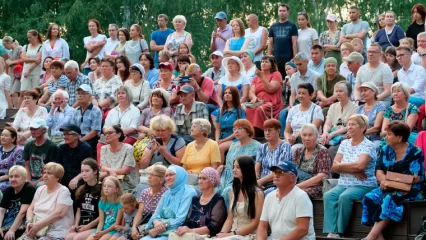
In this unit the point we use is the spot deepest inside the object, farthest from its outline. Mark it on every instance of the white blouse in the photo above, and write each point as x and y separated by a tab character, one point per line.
59	50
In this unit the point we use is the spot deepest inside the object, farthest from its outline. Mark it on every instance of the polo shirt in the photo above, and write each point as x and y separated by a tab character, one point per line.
89	120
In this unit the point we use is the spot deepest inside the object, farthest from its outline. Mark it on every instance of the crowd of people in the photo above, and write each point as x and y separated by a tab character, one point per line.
134	145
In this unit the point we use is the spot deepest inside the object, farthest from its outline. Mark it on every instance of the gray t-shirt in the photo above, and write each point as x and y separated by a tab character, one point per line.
351	28
381	75
176	142
305	39
310	77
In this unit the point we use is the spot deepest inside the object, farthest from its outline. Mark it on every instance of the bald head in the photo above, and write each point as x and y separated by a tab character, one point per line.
252	21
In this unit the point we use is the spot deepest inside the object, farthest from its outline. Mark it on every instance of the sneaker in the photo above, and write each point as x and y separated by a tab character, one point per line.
333	235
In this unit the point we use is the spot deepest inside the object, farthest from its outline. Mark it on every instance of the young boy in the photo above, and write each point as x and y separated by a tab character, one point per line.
358	45
129	206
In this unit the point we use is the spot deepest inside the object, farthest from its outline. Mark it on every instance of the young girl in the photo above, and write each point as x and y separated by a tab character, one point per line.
407	42
87	200
5	82
129	210
110	211
185	51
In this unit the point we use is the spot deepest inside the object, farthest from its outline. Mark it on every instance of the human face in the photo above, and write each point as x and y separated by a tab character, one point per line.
221	22
92	27
353	14
122	37
391	139
170	178
302	21
289	70
135	75
162	133
216	61
72	74
112	32
398	94
59	99
331	69
404	57
303	95
161	22
302	66
37	132
316	55
227	95
358	47
128	208
344	51
183	49
353	66
340	93
249	22
283	13
196	130
134	32
389	19
49	178
373	54
309	138
405	43
233	66
83	96
55	30
93	65
31	39
29	101
111	135
354	128
56	72
109	188
165	74
16	180
271	133
240	133
265	65
237	171
235	27
366	93
119	63
156	100
178	24
182	65
186	98
87	173
245	58
154	179
106	69
331	25
122	96
70	137
390	59
204	182
144	62
283	178
6	137
382	21
421	42
8	45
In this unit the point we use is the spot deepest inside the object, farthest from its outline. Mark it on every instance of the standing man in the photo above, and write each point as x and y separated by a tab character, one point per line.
76	79
256	36
283	39
216	71
317	59
112	41
355	61
159	37
221	34
287	210
355	29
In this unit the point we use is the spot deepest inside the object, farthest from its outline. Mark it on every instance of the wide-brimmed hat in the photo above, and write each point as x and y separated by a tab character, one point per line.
238	60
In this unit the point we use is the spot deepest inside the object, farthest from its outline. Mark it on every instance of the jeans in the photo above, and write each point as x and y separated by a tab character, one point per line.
338	204
283	118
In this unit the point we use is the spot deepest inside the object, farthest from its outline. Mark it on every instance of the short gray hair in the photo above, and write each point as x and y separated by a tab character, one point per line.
72	64
128	92
204	124
301	57
162	122
114	25
310	126
180	17
345	85
61	92
403	86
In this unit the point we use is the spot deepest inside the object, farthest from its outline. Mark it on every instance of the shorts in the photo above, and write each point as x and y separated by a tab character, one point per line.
16	86
30	82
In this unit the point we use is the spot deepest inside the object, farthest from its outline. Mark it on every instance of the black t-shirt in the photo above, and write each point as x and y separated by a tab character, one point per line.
88	205
39	156
12	202
282	34
71	158
413	30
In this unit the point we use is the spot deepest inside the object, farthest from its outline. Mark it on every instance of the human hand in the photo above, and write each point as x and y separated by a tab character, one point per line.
135	233
360	175
253	100
292	139
159	226
260	73
220	169
222	235
10	235
325	137
182	230
33	230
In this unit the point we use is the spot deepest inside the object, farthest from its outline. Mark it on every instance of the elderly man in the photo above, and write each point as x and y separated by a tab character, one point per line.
256	36
377	72
88	117
76	79
203	86
221	34
72	153
60	115
188	110
355	61
38	152
419	58
287	210
216	71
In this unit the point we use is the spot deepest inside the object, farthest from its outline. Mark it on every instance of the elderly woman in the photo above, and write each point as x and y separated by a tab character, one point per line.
355	161
105	88
149	198
117	158
301	114
208	211
246	202
59	116
247	58
139	86
313	162
384	204
174	40
390	34
50	214
329	39
26	114
151	73
202	152
337	117
16	200
271	153
373	109
401	110
166	148
265	93
325	83
245	145
174	205
10	155
235	45
136	45
345	49
159	103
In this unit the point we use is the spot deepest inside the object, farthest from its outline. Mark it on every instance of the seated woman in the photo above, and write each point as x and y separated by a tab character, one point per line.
26	114
184	50
151	73
60	115
382	205
301	114
59	81
373	109
10	155
46	77
337	117
246	202
183	61
245	145
235	45
231	111
325	84
401	110
159	103
208	211
95	69
355	161
139	86
266	88
312	161
122	67
290	69
173	206
16	200
392	61
247	58
125	115
167	83
202	152
271	153
50	213
87	199
166	148
117	158
149	198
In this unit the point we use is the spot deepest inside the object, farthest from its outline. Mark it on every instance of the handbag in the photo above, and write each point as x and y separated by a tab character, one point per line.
398	181
139	147
254	105
187	236
17	71
42	232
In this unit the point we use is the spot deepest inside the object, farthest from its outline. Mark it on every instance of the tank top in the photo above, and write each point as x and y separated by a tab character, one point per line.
241	219
255	39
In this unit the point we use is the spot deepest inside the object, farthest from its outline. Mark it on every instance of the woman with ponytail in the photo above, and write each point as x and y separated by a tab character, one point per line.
87	198
136	45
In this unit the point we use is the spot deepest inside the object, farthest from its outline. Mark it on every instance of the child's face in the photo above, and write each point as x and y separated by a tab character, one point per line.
406	44
128	208
357	46
109	188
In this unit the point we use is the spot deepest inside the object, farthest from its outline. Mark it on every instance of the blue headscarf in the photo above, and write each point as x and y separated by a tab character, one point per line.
180	179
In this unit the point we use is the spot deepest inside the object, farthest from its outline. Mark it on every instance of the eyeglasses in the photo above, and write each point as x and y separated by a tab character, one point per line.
238	129
400	55
109	133
153	175
170	175
34	129
372	52
281	173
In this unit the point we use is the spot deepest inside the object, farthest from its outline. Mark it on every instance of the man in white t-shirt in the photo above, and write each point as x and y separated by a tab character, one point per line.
256	36
112	41
287	210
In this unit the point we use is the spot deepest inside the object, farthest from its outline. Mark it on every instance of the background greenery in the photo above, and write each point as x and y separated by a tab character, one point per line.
18	16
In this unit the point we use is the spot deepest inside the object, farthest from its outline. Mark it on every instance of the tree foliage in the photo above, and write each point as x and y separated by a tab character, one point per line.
18	16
